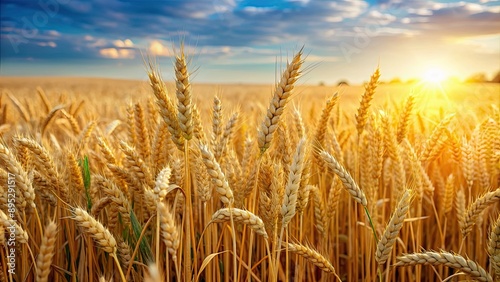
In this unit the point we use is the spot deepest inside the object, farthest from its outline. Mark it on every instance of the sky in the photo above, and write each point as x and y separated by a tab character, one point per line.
245	41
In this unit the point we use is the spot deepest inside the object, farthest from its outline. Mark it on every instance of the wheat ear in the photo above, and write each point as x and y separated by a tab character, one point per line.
72	121
352	187
44	259
218	177
288	208
404	118
183	92
137	165
321	128
299	123
475	209
319	210
50	116
106	151
313	256
152	275
98	206
116	195
460	207
432	142
220	149
144	143
362	114
43	97
162	186
391	232
45	163
444	258
197	125
26	192
167	110
125	253
277	106
241	216
169	230
494	247
95	229
21	235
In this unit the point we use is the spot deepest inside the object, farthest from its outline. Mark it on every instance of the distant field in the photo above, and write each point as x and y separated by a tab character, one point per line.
102	92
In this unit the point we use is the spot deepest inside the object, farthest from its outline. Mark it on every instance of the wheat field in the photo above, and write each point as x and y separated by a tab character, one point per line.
161	180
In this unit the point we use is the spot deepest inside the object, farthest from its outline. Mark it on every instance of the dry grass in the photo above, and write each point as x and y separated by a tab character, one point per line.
147	180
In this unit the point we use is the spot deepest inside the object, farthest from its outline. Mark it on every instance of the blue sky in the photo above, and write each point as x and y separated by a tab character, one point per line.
245	41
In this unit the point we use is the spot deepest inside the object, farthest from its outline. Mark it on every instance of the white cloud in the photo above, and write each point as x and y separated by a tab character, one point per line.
406	20
124	43
420	11
115	53
381	18
258	10
333	19
158	49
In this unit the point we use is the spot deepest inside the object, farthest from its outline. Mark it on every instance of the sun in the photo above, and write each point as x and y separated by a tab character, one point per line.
433	84
434	76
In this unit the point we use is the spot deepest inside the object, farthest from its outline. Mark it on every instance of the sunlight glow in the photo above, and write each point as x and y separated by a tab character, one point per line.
433	85
434	76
